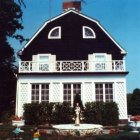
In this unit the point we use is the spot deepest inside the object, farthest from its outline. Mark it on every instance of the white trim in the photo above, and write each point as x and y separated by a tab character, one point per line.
48	55
84	32
55	37
122	50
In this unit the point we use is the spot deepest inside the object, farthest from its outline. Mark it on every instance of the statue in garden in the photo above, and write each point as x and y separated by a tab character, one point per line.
77	114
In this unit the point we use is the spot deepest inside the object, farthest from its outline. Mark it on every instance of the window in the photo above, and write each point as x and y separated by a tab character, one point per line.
99	92
88	32
35	93
55	33
104	92
43	62
39	93
67	93
100	62
70	90
109	92
44	92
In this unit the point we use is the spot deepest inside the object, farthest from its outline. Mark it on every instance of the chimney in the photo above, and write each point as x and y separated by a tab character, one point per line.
72	4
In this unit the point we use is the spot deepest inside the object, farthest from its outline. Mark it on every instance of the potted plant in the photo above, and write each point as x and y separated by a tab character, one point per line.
18	121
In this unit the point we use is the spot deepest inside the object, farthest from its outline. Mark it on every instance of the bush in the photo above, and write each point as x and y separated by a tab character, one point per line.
93	112
101	113
111	114
32	113
36	113
62	113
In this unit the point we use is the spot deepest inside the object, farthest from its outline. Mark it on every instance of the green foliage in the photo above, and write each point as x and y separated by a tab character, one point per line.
36	113
32	113
62	113
94	112
134	103
102	113
129	96
77	99
46	112
10	23
111	114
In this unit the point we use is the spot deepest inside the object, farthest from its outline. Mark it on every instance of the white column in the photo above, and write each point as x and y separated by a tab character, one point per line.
93	91
50	92
17	93
29	92
61	92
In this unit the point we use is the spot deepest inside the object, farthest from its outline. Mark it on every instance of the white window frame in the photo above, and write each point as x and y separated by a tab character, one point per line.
72	89
104	92
39	55
43	64
84	32
40	92
101	63
55	37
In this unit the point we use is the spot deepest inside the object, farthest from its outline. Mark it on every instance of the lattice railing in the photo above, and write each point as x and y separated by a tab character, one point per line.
72	66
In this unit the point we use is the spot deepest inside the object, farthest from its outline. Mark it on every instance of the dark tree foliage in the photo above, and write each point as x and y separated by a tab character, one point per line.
129	96
10	23
134	103
77	99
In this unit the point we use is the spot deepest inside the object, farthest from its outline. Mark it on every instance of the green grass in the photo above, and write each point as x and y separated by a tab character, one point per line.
6	132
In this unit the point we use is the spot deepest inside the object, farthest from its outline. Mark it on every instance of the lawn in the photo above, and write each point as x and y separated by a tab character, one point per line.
6	133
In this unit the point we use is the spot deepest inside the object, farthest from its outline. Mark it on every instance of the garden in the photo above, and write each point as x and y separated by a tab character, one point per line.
44	115
7	134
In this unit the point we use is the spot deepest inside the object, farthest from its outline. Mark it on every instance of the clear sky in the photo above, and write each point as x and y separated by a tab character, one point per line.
121	18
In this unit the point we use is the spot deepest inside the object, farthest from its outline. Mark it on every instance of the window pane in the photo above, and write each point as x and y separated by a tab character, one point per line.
67	92
108	92
45	92
35	93
55	33
76	90
99	92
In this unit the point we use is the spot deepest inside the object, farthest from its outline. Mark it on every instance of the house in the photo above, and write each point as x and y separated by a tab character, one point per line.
72	54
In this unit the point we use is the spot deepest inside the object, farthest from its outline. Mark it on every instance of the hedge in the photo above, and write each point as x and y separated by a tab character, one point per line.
36	113
61	113
101	113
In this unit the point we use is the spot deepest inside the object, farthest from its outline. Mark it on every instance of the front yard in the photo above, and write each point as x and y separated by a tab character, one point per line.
6	134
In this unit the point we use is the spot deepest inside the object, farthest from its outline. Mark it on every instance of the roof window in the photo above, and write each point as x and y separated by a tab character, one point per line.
88	32
55	33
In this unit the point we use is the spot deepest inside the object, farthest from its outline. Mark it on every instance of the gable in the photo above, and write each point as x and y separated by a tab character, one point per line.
71	45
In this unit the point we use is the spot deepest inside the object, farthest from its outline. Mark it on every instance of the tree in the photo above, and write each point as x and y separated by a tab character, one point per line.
134	103
77	99
10	23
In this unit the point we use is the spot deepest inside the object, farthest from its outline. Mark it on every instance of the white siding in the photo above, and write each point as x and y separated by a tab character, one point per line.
87	89
121	99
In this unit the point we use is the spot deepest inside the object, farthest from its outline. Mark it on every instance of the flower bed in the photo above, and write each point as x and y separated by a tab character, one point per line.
135	118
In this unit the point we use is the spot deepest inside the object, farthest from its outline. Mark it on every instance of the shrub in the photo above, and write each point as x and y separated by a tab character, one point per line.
62	113
36	113
93	112
32	113
101	113
111	114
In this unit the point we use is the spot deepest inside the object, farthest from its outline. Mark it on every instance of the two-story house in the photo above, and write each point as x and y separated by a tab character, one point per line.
72	53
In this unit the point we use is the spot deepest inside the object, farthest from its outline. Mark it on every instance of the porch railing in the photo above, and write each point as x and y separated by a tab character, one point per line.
71	66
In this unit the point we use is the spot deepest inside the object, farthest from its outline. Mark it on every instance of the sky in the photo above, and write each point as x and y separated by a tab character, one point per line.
121	19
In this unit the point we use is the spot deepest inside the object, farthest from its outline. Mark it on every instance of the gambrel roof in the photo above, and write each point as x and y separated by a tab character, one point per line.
71	45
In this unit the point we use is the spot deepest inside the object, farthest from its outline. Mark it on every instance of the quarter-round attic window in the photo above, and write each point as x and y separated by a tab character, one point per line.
88	32
55	33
